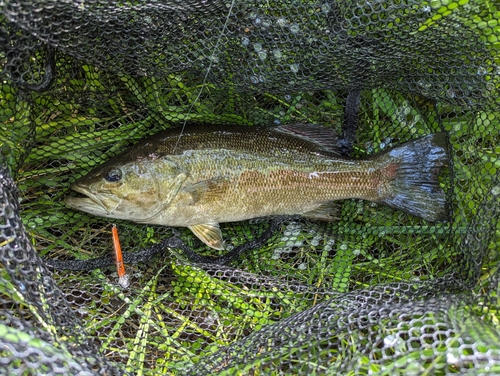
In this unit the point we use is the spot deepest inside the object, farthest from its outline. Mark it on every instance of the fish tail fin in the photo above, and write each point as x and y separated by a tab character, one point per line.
413	186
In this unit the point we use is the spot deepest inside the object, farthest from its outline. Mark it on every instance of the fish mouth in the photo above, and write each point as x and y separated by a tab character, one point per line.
102	204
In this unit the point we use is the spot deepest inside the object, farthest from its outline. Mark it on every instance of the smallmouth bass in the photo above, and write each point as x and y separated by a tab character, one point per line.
214	174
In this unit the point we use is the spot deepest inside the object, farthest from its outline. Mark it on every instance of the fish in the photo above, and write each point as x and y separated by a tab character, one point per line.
211	174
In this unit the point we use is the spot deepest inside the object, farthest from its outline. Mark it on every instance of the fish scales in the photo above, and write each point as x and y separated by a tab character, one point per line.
211	175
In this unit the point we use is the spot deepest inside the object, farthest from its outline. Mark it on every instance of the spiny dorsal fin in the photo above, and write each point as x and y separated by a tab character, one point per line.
210	234
326	138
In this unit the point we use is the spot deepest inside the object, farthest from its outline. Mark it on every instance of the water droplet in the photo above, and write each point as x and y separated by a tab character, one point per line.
325	8
369	147
425	84
245	41
495	191
257	21
254	79
426	9
343	247
278	55
391	340
210	319
288	97
452	358
450	93
124	281
294	67
302	266
277	122
47	282
294	28
262	55
481	71
257	47
281	21
82	311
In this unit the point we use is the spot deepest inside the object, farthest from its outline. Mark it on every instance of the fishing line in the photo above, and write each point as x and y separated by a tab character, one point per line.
212	59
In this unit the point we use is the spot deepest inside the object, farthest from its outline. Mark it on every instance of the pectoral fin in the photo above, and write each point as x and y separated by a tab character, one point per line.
210	234
211	189
327	212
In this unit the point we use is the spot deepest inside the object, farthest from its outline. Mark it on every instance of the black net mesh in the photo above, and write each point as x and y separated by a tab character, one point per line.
377	291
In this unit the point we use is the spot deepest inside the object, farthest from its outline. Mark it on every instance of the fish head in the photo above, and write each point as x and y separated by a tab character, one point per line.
135	191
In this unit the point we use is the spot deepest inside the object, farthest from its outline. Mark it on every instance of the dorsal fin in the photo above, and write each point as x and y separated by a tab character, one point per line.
324	137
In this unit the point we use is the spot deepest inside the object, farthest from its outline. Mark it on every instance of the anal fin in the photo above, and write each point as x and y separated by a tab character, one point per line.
210	234
328	212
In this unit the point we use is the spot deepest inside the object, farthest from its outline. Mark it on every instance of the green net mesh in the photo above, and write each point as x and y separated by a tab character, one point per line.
376	292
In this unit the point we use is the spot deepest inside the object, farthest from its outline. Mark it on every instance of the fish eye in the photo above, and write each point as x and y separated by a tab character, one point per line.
113	174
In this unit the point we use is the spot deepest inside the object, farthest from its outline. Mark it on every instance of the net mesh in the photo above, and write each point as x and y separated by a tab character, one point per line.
376	292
